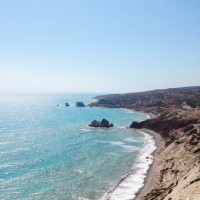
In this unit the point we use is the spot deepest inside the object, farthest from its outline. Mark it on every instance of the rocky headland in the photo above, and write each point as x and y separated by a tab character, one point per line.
177	121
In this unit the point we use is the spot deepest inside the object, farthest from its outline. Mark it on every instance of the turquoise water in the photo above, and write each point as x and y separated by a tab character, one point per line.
49	152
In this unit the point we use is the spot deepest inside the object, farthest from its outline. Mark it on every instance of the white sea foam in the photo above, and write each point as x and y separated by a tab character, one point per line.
130	139
3	143
117	143
6	165
123	127
131	111
78	170
3	166
114	154
99	129
129	185
127	148
85	130
103	130
148	117
128	111
13	151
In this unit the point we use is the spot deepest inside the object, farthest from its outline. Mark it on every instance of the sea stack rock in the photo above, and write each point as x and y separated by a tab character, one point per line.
66	104
95	124
104	124
80	104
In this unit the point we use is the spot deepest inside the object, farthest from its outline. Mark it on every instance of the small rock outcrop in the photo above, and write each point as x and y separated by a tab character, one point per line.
104	123
80	104
66	104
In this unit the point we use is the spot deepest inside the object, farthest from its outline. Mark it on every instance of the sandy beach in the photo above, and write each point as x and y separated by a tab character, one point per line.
152	172
148	114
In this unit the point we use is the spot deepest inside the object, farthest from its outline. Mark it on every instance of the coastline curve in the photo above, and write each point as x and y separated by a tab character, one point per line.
131	183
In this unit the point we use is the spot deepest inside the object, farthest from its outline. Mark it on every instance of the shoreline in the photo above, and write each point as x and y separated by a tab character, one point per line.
123	188
150	179
148	175
149	115
151	176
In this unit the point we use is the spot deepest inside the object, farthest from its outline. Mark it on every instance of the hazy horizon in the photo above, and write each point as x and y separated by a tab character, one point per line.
88	93
98	46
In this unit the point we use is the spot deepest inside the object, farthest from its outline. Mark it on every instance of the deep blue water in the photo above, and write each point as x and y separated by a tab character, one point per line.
49	152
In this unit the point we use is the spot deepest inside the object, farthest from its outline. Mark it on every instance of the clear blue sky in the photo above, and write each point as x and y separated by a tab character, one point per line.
98	45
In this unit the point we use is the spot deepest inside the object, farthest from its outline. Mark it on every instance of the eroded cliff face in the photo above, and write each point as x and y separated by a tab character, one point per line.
179	172
179	163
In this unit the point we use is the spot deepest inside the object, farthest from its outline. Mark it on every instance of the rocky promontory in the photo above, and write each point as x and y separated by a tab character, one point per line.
167	122
104	123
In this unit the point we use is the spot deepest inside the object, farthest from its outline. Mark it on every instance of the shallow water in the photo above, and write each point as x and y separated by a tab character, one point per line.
49	152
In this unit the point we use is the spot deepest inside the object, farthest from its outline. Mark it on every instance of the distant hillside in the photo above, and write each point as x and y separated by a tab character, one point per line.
156	101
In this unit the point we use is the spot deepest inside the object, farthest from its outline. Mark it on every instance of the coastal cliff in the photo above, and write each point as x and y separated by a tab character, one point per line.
178	173
177	167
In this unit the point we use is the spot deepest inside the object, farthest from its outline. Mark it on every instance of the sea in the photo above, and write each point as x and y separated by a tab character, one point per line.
48	151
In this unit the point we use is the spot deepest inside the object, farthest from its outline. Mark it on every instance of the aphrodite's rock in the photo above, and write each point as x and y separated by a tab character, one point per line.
95	124
66	104
104	123
80	104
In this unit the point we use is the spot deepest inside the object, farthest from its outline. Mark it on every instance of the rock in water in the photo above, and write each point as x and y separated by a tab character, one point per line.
104	123
66	104
95	124
80	104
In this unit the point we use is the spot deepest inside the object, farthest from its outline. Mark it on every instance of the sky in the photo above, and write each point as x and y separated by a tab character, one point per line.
98	46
